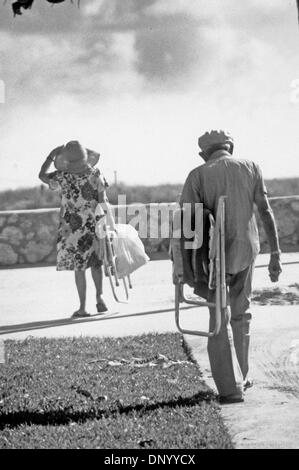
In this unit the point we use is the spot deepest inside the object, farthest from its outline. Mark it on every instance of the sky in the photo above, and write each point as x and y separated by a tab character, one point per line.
140	80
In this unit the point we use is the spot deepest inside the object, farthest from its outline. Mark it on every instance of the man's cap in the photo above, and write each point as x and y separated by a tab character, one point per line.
214	138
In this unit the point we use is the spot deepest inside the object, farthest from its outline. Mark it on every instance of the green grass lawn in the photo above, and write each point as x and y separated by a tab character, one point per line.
109	393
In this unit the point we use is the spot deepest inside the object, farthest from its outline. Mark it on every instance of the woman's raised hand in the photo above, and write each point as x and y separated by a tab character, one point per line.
55	152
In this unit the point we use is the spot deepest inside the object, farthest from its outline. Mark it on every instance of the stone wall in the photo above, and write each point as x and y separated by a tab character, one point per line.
286	212
29	236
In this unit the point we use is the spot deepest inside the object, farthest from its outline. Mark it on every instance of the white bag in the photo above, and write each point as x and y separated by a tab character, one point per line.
129	250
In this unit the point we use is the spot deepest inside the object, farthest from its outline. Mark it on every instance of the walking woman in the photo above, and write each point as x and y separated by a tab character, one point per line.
82	188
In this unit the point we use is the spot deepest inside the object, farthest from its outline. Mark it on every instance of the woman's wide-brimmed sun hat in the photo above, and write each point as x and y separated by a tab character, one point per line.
74	158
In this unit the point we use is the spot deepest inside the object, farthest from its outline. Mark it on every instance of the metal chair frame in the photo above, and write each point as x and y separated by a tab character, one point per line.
110	268
217	262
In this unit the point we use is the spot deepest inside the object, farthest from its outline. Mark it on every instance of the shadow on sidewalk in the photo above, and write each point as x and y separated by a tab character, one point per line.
18	328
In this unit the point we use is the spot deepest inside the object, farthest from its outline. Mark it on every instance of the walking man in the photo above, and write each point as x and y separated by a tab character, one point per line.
242	182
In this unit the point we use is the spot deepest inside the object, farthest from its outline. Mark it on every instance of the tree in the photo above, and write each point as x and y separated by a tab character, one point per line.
27	4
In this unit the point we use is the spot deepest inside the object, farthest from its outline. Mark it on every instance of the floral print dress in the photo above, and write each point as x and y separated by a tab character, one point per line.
78	248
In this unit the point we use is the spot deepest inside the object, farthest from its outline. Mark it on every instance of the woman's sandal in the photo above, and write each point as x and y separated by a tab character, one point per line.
79	314
101	307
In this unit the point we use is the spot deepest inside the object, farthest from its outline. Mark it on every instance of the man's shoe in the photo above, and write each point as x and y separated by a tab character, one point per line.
229	399
248	383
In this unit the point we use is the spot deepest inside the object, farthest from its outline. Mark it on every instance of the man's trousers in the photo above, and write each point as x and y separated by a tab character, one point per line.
228	351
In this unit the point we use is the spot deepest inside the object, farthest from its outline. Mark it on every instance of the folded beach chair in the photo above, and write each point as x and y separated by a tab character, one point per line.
123	253
110	268
216	270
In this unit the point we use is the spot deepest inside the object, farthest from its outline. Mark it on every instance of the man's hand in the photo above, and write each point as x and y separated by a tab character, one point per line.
274	268
268	220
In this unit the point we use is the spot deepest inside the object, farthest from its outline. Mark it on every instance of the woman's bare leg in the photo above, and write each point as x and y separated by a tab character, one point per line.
97	275
80	279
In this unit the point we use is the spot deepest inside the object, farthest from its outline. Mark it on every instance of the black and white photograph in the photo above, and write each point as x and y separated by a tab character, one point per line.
149	227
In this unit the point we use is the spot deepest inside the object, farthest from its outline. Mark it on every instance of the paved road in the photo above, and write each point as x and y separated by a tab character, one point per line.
39	301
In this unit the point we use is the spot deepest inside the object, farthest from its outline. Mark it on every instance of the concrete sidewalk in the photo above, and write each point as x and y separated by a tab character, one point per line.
39	302
269	417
